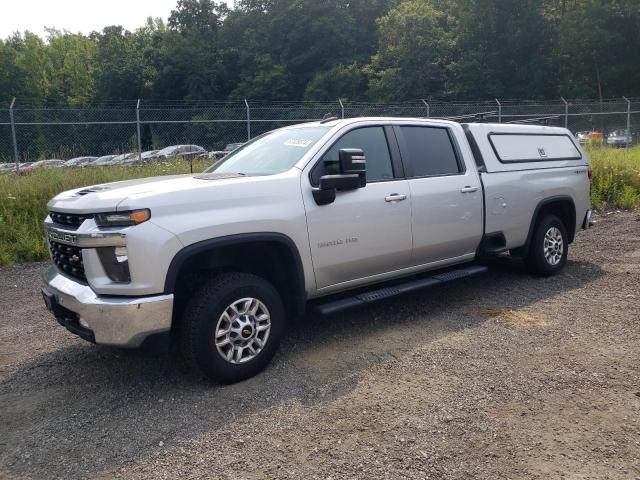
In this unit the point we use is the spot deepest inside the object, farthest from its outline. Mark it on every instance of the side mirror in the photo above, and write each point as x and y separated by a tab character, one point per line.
352	176
352	160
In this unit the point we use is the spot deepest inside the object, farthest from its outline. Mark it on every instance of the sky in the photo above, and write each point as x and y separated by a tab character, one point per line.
78	15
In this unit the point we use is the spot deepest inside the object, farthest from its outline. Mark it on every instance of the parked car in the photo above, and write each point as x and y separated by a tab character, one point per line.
184	151
112	159
104	160
135	158
218	154
21	166
309	216
150	155
619	138
80	161
121	159
582	137
596	137
7	167
32	167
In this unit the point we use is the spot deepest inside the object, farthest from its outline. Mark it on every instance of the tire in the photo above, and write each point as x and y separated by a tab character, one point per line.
549	247
223	305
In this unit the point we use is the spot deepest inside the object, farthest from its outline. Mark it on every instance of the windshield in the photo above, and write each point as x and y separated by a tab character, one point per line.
271	153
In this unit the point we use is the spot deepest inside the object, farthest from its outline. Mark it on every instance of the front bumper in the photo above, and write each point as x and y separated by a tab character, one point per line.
107	320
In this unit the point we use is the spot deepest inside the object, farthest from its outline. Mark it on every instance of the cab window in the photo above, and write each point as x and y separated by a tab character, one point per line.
430	151
372	141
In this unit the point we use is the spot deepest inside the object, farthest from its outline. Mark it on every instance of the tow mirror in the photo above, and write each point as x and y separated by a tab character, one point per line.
352	175
352	160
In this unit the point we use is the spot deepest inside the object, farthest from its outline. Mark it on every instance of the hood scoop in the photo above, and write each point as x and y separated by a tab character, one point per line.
218	176
89	190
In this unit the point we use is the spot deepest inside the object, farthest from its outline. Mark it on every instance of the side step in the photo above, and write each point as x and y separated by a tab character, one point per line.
495	251
386	292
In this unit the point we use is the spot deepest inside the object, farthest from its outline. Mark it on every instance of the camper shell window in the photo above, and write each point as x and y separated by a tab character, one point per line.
533	147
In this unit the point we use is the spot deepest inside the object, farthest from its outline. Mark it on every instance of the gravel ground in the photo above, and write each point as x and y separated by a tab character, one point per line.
501	376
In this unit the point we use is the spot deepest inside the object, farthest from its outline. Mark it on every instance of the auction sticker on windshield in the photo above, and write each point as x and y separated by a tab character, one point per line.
298	142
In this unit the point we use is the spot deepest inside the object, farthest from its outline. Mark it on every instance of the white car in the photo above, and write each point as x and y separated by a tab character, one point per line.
185	151
80	161
582	137
619	138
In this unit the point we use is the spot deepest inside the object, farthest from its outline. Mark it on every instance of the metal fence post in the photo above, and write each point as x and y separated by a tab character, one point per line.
499	110
566	112
428	108
248	120
341	107
629	138
13	136
138	130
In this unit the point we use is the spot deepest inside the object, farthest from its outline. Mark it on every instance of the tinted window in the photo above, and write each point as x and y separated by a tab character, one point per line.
373	143
430	151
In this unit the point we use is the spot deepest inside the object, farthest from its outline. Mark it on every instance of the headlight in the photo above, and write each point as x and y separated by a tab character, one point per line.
123	219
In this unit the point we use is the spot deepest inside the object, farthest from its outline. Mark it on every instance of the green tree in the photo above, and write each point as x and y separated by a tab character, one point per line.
270	81
71	58
35	67
119	65
598	49
502	49
10	76
414	47
348	82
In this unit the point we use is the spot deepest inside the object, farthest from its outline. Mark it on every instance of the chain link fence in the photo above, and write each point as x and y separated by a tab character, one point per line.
31	132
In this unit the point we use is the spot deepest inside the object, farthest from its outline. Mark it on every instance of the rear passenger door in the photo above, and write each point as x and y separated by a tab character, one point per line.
446	195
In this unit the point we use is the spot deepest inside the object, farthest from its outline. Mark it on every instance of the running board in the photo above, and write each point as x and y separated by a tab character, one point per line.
387	292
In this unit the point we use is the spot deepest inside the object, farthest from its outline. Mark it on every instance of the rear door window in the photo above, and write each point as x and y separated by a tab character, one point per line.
430	151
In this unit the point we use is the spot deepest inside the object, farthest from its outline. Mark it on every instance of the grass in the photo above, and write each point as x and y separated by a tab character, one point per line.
616	178
23	200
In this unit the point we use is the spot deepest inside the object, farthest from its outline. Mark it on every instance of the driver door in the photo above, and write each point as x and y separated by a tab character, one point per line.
365	234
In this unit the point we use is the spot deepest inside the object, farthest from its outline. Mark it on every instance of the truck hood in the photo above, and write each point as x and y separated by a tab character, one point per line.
109	196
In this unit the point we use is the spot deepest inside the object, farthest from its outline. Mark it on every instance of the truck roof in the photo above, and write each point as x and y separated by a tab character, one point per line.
480	126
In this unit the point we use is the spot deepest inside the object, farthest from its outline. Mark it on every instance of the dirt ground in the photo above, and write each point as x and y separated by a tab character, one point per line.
499	376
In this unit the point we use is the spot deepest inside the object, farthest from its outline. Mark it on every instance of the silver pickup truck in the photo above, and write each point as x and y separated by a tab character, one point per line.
329	215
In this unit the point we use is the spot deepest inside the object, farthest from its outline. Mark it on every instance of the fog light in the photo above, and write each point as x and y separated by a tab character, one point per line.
83	322
121	254
115	262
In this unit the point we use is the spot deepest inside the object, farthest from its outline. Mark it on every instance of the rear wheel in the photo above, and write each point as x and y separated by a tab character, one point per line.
549	247
231	327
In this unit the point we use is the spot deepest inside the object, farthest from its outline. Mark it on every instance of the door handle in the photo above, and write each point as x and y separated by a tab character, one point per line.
395	197
469	189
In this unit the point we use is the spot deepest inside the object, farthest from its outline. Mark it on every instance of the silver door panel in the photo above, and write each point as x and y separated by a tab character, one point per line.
361	234
447	217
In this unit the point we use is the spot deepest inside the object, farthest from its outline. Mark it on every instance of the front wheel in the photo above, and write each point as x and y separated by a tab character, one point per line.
232	326
549	247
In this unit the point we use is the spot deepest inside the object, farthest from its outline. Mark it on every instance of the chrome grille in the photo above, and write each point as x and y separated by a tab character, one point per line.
71	221
68	259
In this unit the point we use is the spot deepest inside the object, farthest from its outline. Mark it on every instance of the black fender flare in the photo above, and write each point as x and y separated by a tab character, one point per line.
179	260
534	219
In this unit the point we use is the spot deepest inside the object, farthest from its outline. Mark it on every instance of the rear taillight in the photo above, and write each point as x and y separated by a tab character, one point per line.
590	174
